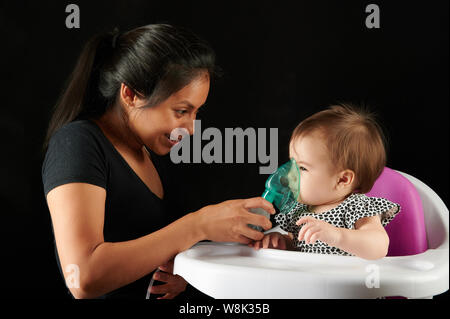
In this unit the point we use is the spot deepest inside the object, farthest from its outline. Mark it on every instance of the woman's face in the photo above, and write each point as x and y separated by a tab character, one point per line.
317	178
153	125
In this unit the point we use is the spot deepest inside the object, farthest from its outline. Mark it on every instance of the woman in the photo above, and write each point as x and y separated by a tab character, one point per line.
104	192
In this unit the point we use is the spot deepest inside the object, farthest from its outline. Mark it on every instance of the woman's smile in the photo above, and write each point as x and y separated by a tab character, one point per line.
171	141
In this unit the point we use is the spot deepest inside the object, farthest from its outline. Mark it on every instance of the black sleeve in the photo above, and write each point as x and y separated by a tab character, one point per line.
73	155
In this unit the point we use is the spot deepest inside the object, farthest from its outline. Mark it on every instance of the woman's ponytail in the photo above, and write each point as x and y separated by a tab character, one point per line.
80	95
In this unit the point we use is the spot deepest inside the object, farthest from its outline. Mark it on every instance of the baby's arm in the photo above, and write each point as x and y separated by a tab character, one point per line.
368	240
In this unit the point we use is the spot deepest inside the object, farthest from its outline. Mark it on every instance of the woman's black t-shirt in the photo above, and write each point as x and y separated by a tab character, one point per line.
80	152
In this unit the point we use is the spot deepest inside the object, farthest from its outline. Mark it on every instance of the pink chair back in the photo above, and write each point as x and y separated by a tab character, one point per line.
407	235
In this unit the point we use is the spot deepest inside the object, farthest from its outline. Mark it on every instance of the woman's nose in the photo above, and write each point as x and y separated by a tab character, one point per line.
190	126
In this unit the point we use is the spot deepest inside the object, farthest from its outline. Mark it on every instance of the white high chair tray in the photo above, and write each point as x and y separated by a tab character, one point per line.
229	270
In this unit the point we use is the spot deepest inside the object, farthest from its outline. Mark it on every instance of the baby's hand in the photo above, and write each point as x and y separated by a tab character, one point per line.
315	229
270	240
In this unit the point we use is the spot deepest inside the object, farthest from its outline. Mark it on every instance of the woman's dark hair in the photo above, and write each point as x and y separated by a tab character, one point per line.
155	61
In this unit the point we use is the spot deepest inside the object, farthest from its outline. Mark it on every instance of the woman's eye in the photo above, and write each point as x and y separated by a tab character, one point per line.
181	112
302	168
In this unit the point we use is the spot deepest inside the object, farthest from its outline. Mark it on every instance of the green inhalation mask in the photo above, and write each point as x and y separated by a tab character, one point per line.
282	189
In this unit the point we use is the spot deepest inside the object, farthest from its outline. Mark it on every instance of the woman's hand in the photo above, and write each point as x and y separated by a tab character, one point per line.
315	229
174	284
228	221
271	240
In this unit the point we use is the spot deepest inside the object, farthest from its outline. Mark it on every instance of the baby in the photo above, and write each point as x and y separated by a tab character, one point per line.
340	153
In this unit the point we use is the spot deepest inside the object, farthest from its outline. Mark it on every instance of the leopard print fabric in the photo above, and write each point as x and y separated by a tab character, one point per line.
345	215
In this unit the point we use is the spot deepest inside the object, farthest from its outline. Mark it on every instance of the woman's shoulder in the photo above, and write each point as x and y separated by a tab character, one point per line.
75	154
80	138
76	134
77	128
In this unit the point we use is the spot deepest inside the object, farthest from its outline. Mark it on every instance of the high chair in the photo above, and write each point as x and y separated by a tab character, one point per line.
417	264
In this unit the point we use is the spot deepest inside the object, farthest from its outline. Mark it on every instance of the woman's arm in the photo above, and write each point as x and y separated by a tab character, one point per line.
77	212
368	240
275	240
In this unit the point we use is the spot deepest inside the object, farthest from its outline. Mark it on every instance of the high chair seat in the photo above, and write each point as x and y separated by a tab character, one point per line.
417	265
407	235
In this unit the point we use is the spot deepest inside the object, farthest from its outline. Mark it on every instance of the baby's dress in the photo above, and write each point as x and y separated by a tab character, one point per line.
345	215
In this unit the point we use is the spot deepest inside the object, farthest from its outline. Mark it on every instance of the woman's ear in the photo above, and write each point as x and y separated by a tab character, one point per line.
128	96
346	178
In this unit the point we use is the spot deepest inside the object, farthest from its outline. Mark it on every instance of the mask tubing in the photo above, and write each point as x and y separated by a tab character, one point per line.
151	285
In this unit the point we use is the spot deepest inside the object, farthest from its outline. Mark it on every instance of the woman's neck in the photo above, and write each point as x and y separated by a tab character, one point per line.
113	124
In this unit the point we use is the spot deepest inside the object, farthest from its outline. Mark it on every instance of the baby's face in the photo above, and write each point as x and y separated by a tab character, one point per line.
318	178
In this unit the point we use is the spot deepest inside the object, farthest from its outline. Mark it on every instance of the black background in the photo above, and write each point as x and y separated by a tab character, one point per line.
282	62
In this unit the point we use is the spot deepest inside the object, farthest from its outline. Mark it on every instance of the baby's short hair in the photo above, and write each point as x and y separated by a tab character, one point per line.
354	140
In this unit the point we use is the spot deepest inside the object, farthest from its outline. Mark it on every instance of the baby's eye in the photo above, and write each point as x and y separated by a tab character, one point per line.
302	168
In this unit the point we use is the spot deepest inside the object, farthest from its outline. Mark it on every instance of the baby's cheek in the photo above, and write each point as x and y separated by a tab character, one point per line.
304	197
305	187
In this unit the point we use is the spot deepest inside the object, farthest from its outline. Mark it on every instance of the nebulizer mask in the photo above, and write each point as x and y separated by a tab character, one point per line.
282	189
